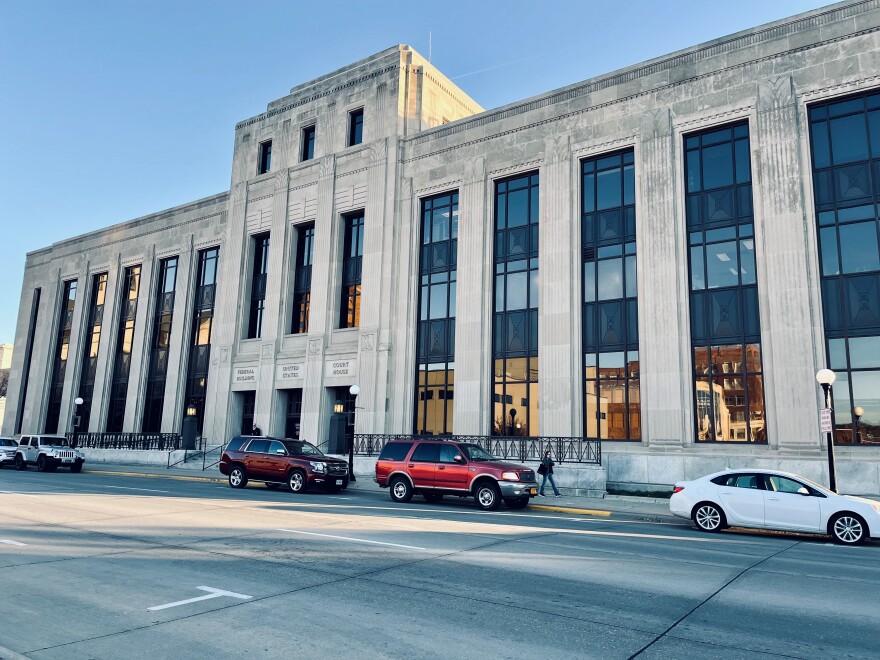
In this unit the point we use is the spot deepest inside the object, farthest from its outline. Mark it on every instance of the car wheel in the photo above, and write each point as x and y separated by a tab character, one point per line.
847	529
517	502
41	464
20	463
297	481
708	517
237	477
400	490
272	486
76	467
487	496
433	498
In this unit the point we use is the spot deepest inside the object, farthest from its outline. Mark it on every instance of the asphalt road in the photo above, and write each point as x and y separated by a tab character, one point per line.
101	566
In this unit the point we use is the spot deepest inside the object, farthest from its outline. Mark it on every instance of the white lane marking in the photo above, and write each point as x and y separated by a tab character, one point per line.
13	492
346	538
213	593
8	542
149	490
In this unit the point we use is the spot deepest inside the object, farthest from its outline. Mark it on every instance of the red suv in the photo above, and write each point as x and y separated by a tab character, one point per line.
434	468
297	463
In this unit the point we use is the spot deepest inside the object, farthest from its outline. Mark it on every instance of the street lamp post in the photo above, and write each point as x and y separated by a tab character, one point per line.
77	402
858	411
825	377
354	390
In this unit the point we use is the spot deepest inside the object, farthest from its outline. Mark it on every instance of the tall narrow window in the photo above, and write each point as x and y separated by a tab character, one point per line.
159	345
352	258
258	285
59	363
355	127
248	403
265	157
845	136
610	312
515	333
90	355
202	329
725	326
124	341
294	413
26	363
435	343
308	143
302	282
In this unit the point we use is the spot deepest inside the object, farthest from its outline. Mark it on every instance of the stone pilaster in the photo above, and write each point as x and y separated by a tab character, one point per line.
787	317
140	352
664	336
473	323
181	332
559	373
76	345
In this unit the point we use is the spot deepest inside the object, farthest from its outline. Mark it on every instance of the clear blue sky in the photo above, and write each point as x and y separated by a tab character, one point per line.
114	109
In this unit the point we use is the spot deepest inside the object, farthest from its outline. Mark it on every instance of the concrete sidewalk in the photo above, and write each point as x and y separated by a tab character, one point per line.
611	506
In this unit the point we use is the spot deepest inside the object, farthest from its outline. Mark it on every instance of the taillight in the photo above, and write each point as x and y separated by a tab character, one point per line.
677	489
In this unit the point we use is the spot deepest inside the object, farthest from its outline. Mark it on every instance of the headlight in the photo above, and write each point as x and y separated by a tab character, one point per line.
318	467
510	476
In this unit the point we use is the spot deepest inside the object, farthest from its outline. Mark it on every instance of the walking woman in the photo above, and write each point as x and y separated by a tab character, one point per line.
546	468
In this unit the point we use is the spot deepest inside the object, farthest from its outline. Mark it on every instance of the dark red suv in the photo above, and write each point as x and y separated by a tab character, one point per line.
434	468
297	463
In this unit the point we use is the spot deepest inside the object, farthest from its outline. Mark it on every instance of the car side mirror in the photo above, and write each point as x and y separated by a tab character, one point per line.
458	459
803	491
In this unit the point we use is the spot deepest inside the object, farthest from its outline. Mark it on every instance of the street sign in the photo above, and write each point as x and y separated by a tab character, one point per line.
825	420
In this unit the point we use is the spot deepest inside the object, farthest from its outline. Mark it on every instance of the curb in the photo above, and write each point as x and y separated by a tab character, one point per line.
571	509
178	477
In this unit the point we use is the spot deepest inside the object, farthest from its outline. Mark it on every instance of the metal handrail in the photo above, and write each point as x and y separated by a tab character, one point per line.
131	441
563	450
205	464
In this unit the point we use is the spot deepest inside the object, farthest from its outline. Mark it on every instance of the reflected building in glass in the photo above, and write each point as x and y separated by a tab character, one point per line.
659	259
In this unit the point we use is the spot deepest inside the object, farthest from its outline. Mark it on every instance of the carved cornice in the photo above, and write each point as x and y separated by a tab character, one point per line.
586	150
515	169
301	186
841	88
345	174
719	117
450	185
315	97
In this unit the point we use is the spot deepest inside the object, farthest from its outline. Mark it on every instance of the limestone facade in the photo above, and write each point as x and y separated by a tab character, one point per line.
422	136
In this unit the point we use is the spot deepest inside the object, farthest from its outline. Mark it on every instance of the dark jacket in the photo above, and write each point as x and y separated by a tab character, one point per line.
548	463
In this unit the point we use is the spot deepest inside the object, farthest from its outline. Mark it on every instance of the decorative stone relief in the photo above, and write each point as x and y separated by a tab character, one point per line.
266	351
557	148
407	191
378	151
315	347
224	356
656	124
328	166
281	179
368	342
774	93
475	170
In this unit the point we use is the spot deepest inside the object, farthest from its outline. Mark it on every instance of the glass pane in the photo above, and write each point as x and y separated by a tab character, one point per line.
849	139
747	261
721	265
631	283
858	247
864	352
727	359
608	189
517	208
753	358
438	308
612	409
701	360
757	414
743	166
516	291
821	151
629	184
828	241
591	408
440	225
589	281
717	166
534	288
698	276
693	171
866	394
610	279
837	354
589	193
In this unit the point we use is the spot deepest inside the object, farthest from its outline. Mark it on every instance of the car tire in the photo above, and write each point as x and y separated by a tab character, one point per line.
297	481
20	463
401	490
272	486
708	517
517	502
76	467
487	496
433	498
42	465
237	477
848	529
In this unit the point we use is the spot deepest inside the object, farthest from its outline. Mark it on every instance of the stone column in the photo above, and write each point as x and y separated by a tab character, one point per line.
106	346
181	338
77	341
664	335
787	318
140	346
473	324
561	391
323	305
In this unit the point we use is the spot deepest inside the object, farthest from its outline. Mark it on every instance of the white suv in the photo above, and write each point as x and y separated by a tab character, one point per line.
47	452
7	451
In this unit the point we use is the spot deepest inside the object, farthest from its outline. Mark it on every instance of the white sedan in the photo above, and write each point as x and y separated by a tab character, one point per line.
767	499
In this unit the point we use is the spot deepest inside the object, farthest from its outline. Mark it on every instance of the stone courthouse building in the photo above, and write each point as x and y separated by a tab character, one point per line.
661	257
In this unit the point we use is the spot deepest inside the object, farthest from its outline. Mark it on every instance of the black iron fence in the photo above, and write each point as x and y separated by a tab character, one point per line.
137	441
563	450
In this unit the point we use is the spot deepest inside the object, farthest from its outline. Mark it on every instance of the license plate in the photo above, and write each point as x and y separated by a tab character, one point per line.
339	482
533	491
67	460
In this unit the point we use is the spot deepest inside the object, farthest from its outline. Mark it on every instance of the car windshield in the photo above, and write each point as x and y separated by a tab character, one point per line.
302	447
53	442
6	442
476	453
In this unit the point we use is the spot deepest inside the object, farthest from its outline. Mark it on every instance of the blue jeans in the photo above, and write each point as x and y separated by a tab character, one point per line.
552	483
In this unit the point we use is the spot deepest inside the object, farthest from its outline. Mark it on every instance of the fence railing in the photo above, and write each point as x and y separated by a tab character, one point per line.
563	450
136	441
